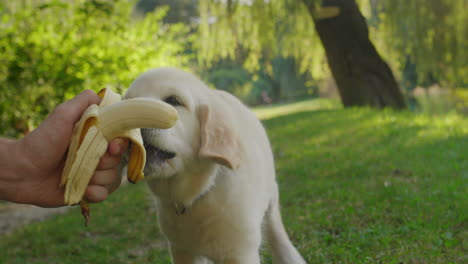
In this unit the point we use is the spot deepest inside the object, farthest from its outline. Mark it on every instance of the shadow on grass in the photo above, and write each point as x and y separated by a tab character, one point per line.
367	186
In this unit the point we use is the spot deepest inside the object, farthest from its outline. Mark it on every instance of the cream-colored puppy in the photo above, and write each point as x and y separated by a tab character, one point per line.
212	174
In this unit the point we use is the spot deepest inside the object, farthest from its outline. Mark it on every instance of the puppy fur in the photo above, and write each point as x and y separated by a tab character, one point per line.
218	197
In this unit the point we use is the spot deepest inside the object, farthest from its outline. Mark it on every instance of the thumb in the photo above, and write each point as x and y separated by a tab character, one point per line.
71	110
55	132
61	122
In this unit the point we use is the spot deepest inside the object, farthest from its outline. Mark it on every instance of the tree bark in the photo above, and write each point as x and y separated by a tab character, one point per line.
362	76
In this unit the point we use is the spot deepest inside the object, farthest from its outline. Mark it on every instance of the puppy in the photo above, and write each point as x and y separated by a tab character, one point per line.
212	174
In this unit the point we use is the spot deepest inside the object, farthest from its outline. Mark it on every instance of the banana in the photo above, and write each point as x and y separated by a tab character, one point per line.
100	124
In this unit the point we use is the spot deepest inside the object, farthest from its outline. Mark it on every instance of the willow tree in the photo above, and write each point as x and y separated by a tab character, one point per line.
432	34
310	29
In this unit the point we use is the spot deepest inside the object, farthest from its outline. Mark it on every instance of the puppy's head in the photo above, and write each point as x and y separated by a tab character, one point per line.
200	136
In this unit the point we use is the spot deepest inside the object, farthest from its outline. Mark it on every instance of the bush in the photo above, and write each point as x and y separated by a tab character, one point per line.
53	49
438	100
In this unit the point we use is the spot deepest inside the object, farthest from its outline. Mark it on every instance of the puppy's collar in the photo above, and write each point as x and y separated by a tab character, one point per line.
179	208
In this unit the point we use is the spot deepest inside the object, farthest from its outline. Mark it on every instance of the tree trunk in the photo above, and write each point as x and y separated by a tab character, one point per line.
362	76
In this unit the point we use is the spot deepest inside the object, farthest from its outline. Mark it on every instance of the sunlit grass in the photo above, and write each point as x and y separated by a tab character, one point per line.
267	112
357	186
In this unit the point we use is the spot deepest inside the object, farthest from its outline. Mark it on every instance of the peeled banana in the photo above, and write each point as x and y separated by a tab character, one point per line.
100	124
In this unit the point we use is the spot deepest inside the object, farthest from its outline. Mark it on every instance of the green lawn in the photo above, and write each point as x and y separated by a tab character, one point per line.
357	186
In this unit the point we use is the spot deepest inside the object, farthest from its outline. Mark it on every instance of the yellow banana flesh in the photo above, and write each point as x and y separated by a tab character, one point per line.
97	127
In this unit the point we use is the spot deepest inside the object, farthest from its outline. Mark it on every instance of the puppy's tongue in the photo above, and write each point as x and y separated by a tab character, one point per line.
154	154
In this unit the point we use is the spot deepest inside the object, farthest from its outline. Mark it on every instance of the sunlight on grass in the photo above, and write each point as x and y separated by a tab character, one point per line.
267	112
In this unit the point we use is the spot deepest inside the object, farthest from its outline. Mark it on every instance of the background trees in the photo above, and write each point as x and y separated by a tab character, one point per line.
362	76
262	51
431	34
428	33
52	50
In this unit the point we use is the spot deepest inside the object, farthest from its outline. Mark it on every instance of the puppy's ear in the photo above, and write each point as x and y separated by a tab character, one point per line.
219	141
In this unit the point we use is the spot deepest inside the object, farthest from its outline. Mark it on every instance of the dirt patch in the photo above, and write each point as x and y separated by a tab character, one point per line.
14	216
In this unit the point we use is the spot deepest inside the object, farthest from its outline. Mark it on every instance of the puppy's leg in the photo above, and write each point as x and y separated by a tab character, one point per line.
283	250
246	253
183	257
202	260
252	258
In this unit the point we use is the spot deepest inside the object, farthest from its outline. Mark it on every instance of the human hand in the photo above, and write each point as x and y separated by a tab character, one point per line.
42	155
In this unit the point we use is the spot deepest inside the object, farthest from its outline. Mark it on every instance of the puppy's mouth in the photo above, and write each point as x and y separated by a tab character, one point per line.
157	155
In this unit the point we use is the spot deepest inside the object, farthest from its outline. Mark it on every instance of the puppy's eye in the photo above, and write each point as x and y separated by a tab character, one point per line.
173	100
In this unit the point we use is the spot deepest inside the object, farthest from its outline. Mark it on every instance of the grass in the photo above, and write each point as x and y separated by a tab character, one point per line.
268	112
357	186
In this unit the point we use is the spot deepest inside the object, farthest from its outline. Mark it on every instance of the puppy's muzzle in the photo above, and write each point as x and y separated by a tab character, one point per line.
155	153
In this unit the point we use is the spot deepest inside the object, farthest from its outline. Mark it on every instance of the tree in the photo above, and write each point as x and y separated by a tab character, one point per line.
47	58
430	33
179	10
362	76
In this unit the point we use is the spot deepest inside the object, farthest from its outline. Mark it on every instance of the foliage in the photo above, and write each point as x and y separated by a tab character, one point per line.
227	76
53	49
259	30
461	101
275	81
431	34
284	80
179	10
357	186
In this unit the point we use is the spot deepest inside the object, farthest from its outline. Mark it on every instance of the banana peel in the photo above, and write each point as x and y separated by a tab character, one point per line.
100	124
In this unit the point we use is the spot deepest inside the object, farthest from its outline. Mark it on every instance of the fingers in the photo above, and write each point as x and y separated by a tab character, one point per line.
106	179
114	153
96	193
109	161
103	183
118	146
110	179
